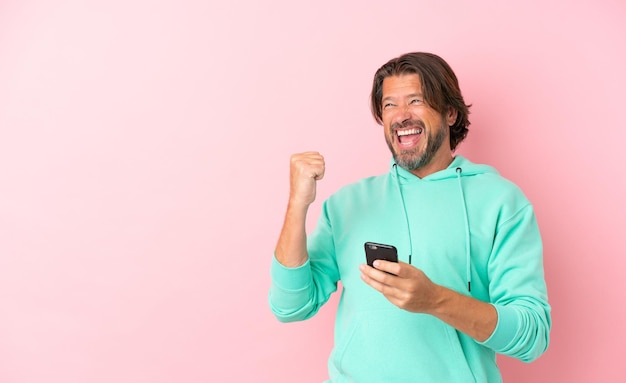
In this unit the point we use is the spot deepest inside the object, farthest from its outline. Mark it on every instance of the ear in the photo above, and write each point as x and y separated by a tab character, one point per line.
451	116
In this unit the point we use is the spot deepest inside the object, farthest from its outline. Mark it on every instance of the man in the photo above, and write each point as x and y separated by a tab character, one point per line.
469	282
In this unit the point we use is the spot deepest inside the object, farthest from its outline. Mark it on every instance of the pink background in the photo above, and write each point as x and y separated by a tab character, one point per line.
144	153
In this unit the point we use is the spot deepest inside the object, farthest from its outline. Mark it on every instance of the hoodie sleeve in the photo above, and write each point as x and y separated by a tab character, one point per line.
517	289
298	293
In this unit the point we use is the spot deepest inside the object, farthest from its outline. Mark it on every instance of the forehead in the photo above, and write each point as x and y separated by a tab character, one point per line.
402	84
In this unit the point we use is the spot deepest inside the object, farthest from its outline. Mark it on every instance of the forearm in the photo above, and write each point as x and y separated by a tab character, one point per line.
291	247
301	281
468	315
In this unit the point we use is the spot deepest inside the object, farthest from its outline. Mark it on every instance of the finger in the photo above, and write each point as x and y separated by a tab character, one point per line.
310	156
309	164
316	161
379	280
320	172
379	276
387	266
368	275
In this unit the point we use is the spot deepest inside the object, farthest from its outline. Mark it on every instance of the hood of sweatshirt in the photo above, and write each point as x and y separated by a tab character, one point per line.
452	171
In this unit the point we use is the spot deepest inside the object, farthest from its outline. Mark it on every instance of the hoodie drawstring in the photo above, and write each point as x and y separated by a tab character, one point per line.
406	215
468	258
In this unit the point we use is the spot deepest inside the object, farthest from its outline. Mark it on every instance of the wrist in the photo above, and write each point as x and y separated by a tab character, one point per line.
441	297
298	204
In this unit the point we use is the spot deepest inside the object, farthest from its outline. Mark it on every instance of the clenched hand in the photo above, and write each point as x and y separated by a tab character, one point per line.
306	169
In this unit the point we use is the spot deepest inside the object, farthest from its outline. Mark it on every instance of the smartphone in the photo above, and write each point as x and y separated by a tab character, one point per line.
374	251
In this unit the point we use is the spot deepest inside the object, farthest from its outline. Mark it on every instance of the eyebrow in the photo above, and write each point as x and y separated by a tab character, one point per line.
415	95
407	96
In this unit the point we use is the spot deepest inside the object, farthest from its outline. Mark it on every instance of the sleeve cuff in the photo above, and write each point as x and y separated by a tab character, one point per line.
506	329
290	278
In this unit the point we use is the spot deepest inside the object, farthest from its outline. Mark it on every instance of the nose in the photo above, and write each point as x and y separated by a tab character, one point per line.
403	115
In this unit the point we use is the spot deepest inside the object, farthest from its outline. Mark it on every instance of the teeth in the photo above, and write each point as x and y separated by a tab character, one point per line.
410	131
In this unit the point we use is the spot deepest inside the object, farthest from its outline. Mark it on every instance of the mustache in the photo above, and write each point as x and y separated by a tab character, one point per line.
408	124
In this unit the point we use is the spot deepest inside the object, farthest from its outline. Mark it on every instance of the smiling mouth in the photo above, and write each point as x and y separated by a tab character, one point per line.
408	132
409	136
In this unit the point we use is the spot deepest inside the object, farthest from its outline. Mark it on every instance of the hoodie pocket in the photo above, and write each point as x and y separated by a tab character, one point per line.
397	346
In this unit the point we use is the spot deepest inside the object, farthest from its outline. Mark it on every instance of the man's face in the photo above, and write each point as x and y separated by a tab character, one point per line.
417	135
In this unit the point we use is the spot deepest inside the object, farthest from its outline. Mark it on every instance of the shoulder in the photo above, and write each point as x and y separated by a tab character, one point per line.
358	192
488	179
485	186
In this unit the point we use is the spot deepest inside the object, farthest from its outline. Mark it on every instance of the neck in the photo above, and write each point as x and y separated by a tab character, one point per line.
435	165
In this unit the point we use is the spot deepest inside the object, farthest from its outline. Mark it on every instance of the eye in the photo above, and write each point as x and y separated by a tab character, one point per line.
416	101
387	105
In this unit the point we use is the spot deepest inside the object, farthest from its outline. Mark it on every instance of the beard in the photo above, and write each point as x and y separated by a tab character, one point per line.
412	159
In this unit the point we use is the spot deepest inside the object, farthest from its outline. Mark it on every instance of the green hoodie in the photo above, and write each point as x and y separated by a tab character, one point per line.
459	225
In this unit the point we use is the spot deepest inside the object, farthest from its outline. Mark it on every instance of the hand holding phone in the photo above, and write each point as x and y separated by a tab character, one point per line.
374	251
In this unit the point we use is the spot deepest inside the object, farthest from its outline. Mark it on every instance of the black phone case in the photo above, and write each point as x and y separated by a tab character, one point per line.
374	251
